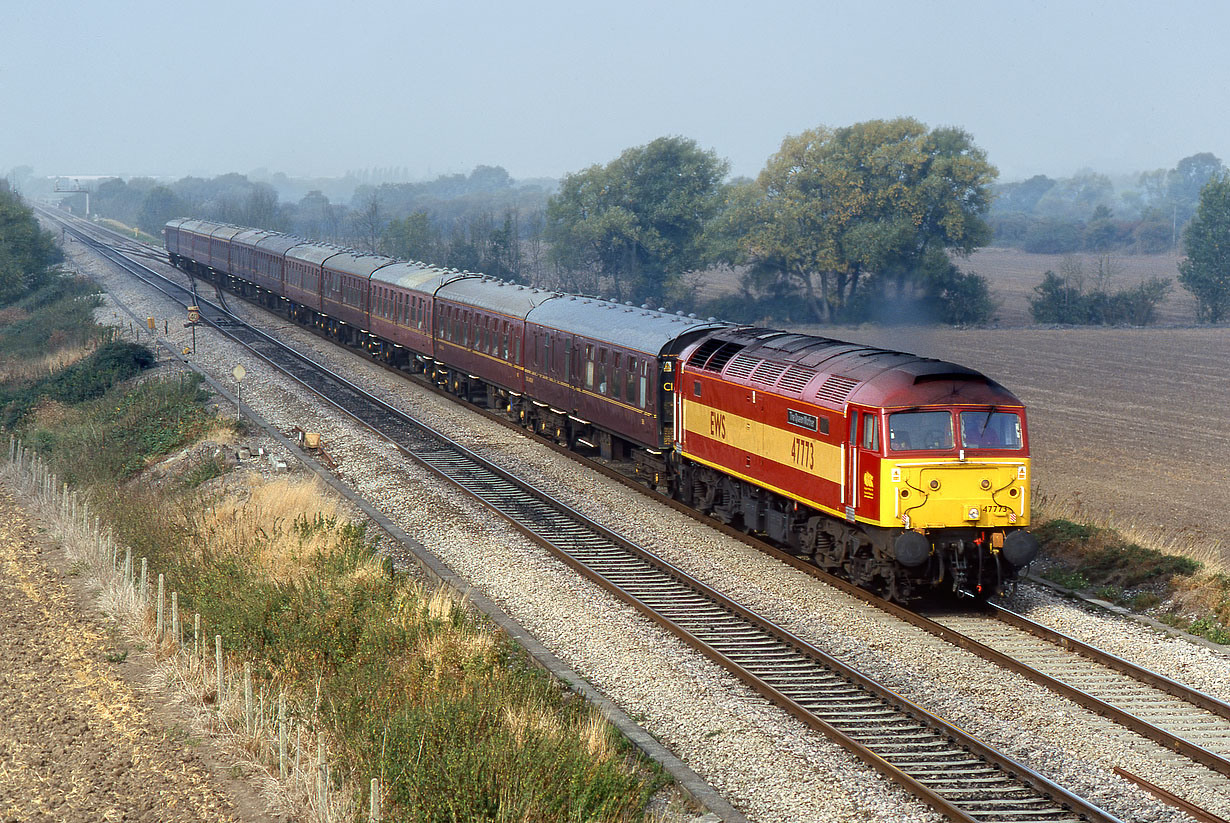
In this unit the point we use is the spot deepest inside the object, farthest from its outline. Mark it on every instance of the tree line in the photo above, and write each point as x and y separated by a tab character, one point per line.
863	222
1093	213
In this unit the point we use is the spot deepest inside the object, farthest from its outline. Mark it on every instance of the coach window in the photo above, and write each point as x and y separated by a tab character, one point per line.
617	378
871	432
602	371
631	383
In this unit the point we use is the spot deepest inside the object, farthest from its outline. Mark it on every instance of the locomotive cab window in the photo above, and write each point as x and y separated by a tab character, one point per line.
990	430
920	431
871	432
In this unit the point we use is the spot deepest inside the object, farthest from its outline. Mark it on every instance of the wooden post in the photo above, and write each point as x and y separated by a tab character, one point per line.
144	582
248	721
374	813
197	652
175	619
158	630
282	732
218	659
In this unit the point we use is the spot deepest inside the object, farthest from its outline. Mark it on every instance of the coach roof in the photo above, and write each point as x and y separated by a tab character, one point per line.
494	295
358	264
644	330
314	253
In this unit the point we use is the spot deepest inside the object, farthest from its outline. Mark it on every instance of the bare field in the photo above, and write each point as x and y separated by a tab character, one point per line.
1013	275
1130	427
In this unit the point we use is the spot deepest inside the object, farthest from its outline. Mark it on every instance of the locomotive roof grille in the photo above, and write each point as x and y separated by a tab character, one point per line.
796	378
743	365
704	351
836	389
767	372
722	356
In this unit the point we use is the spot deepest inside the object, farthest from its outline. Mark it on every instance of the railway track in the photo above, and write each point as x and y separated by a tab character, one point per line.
956	774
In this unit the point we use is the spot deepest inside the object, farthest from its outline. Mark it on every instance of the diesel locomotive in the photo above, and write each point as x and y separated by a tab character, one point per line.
906	475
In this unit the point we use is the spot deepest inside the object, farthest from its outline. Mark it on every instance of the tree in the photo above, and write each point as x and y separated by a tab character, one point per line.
1186	181
639	220
1206	271
874	201
159	206
1022	196
260	208
413	238
28	254
369	221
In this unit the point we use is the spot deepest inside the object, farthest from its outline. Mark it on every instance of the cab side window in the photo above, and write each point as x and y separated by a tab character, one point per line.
871	432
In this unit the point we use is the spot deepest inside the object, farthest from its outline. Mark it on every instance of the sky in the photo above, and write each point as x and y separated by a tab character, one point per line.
315	88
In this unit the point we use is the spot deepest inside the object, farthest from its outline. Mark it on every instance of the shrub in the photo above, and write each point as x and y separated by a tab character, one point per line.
1063	299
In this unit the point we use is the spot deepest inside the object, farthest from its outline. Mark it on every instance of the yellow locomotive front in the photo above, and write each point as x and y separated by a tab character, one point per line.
956	479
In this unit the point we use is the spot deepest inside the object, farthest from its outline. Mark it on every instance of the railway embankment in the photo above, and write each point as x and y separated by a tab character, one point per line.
333	671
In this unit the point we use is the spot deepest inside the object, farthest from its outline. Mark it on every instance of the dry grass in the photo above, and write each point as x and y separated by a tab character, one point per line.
1182	542
283	525
12	314
26	370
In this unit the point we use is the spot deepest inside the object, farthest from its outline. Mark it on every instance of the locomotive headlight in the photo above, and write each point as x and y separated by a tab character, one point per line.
935	485
986	484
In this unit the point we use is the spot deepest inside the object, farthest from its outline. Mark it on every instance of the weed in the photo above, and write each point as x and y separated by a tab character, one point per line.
1210	629
1143	601
1067	578
204	470
117	657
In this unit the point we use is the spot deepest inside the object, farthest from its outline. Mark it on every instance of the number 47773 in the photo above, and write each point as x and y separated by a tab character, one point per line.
803	452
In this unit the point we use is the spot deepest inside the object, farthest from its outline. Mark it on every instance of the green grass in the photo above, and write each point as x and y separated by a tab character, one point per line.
1102	563
111	438
448	713
1103	559
57	316
204	470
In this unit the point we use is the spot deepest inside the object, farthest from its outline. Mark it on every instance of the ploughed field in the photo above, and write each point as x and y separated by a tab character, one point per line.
1131	426
1014	274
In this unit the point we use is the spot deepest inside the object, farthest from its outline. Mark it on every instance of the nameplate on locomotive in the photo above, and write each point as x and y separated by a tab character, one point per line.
798	418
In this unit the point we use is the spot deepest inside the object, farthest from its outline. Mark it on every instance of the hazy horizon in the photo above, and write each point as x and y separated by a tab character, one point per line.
548	88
